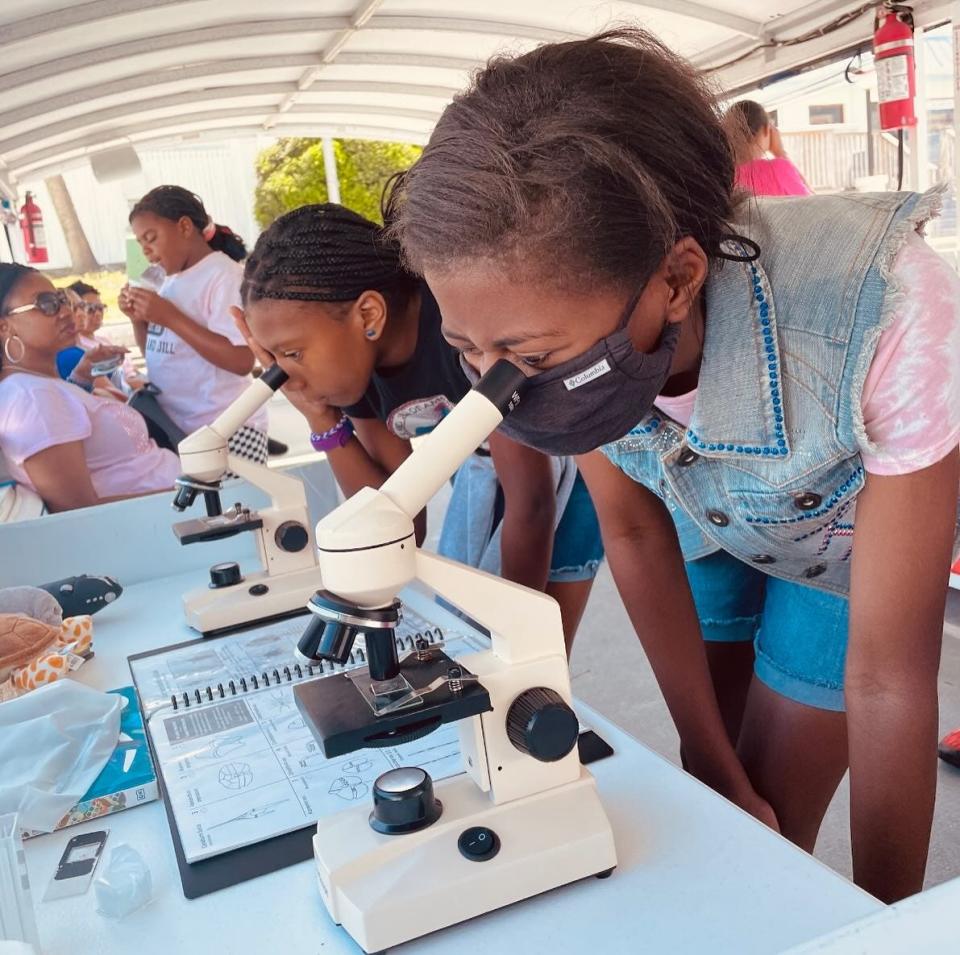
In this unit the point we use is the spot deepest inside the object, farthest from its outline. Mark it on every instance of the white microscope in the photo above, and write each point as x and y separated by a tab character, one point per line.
284	541
525	817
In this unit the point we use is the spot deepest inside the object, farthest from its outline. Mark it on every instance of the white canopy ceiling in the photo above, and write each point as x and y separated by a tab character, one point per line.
77	78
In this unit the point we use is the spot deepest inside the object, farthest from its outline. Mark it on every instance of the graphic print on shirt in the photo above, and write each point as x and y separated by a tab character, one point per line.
157	343
420	416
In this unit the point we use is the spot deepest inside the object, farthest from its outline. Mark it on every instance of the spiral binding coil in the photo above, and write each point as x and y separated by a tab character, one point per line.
297	672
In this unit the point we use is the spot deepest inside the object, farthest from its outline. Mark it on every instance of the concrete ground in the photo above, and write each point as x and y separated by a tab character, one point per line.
611	673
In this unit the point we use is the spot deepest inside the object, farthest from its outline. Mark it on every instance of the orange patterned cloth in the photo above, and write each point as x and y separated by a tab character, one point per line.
55	652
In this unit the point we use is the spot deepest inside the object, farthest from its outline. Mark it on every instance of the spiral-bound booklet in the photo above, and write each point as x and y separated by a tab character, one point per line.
243	780
236	762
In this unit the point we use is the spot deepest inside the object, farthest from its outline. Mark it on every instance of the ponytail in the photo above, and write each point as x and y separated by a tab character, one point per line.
225	240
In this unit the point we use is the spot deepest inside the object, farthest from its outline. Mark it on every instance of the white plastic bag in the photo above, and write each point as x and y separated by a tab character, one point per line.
53	744
124	883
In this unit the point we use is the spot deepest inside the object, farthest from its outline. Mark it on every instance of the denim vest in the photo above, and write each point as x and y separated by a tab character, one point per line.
769	468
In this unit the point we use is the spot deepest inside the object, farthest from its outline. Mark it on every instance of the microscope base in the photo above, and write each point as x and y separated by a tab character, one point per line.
385	890
212	611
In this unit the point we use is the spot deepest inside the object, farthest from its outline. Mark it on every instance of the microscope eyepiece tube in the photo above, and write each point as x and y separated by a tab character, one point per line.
502	386
274	377
452	441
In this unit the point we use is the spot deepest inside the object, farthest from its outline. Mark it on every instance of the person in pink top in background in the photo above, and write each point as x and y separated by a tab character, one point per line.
763	166
927	314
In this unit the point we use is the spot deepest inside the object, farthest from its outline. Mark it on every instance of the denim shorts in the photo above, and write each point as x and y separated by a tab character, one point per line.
471	526
577	545
799	634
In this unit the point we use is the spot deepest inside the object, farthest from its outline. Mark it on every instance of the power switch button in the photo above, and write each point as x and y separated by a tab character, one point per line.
478	844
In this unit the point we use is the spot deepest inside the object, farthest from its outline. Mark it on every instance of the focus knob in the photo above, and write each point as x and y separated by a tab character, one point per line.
292	537
225	575
541	724
403	801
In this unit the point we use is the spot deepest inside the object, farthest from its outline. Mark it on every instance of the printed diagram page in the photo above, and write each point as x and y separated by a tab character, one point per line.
247	769
257	652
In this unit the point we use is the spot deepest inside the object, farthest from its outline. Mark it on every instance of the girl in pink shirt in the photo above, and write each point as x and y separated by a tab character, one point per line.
755	138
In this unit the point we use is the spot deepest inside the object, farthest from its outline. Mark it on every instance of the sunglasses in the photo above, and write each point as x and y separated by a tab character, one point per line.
92	308
48	303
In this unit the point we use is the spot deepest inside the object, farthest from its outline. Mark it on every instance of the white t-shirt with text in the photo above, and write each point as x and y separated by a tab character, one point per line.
194	391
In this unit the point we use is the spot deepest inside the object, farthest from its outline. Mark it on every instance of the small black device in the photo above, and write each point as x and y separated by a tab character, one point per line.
76	866
83	594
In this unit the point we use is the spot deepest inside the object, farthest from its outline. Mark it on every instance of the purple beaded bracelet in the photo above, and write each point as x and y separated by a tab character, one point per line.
335	437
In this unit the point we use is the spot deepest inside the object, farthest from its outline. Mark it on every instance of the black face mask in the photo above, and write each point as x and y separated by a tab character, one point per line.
592	399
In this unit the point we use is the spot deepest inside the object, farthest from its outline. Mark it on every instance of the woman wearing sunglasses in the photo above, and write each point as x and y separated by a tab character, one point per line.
88	317
72	447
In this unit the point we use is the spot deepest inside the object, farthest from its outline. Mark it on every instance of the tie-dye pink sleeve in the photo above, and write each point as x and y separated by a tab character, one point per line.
911	396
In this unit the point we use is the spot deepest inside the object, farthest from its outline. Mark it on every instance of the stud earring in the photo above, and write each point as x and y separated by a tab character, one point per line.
371	333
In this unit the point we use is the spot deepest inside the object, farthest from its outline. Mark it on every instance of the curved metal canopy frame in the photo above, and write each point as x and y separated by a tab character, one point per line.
78	77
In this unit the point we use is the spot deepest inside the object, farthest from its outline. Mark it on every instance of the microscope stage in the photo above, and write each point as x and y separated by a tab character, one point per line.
342	720
207	529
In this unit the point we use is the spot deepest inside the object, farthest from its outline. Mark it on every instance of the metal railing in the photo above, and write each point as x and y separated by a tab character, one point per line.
832	161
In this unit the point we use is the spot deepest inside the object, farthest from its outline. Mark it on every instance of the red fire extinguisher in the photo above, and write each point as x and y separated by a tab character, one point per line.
34	237
896	66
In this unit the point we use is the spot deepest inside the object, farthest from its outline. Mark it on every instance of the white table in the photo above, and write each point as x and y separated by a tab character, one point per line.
695	874
924	924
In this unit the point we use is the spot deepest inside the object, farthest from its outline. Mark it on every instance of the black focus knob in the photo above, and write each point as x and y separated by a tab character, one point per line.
291	537
403	801
541	724
225	575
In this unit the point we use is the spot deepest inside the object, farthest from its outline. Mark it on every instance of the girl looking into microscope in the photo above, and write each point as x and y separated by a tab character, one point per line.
765	398
327	298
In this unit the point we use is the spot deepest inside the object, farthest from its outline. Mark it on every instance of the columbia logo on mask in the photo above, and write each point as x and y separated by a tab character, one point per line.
585	377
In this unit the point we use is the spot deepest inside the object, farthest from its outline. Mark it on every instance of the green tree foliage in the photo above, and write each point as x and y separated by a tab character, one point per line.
290	174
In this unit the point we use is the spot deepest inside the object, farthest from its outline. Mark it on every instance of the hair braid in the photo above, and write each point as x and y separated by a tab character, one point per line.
324	253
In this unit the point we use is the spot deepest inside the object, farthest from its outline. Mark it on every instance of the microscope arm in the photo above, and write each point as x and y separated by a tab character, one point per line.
367	552
284	491
203	454
524	624
249	401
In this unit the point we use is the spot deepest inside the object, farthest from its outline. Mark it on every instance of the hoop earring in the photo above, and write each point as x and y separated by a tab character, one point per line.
6	350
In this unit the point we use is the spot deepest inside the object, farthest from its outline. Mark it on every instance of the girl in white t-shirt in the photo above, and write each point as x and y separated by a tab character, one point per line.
70	446
195	355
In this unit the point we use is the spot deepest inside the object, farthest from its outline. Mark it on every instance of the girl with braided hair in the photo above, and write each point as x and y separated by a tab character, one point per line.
194	353
327	298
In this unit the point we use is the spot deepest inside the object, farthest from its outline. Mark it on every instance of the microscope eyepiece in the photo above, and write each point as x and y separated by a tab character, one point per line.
502	385
274	377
